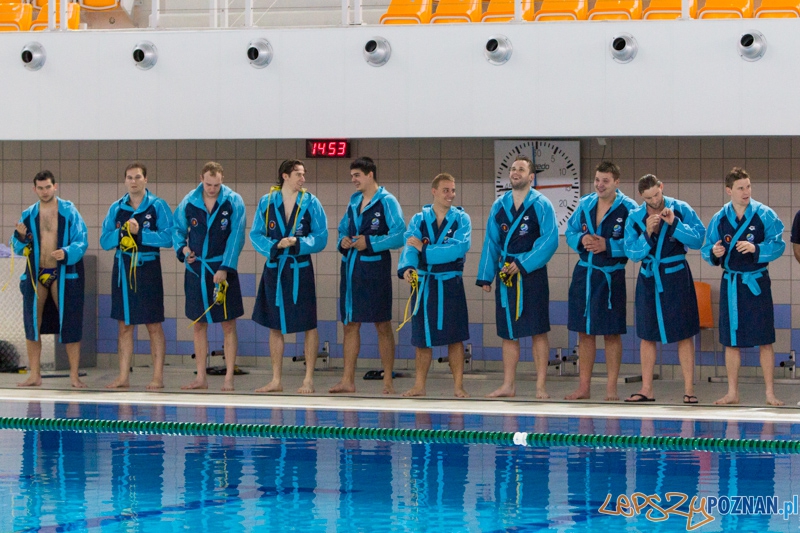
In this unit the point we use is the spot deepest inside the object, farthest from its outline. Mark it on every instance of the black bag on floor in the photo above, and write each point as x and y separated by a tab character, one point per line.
9	358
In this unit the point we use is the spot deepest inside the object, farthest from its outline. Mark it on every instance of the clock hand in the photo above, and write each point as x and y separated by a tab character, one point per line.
557	186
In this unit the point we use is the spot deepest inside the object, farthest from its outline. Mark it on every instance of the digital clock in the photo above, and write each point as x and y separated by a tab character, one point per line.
327	148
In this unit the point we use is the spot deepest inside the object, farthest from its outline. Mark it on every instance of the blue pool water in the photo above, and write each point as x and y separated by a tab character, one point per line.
66	481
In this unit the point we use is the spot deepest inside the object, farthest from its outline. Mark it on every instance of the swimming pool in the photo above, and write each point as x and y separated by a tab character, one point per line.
71	481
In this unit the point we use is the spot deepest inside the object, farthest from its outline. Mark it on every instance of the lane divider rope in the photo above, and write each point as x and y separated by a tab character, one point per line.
501	438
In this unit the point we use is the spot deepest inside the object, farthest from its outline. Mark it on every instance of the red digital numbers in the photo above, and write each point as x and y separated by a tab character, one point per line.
327	148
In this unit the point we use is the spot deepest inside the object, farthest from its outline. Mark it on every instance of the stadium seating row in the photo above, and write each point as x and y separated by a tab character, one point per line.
455	11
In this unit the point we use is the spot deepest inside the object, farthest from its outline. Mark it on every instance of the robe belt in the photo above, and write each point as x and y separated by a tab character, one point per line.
503	288
651	267
350	263
607	270
422	294
750	280
205	264
141	258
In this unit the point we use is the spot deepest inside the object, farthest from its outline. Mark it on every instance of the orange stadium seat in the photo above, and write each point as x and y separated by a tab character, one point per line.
778	9
667	10
408	12
73	17
726	9
616	10
99	5
15	17
449	11
552	10
503	11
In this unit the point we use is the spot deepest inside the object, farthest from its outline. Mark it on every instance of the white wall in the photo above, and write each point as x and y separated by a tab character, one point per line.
561	81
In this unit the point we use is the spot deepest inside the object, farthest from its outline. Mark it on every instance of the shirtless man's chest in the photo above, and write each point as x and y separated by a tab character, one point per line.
48	235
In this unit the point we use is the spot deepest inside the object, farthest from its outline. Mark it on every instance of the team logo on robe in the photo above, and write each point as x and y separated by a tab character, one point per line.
619	220
617	230
525	217
148	216
523	229
224	213
223	223
375	223
750	237
752	228
146	225
504	227
298	230
194	222
426	241
727	239
584	228
271	224
377	213
119	224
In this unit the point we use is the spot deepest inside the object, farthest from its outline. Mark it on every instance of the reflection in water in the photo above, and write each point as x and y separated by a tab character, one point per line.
72	481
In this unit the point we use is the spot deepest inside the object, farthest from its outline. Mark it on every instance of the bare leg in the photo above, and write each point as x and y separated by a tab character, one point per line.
455	354
422	364
733	360
613	362
230	344
686	357
311	347
587	350
647	352
767	356
350	346
125	352
74	356
200	356
541	353
276	355
34	348
386	349
158	349
510	360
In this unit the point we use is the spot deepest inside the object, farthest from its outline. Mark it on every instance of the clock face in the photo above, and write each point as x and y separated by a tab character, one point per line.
557	172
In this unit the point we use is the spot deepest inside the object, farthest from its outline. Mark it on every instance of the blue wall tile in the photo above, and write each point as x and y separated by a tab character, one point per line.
558	313
248	285
783	316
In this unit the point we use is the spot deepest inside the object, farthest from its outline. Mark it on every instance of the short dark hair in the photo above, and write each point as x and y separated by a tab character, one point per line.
736	174
444	176
214	168
44	175
608	167
365	165
527	160
648	181
138	165
287	167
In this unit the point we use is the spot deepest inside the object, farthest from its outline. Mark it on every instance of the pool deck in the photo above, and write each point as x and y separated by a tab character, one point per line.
439	399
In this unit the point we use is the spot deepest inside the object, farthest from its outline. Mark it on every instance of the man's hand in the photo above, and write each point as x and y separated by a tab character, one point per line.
415	243
347	243
486	288
718	250
287	242
511	270
59	255
668	215
189	254
653	221
587	240
220	276
133	226
407	274
745	247
360	243
22	231
596	245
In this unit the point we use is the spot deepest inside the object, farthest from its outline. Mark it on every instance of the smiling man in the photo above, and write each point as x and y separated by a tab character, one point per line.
371	226
137	226
52	234
659	233
521	237
597	294
208	237
437	242
743	238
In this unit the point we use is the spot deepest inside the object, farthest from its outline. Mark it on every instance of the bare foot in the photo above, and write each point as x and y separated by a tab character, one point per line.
196	384
77	383
461	393
416	390
542	395
342	387
307	387
579	394
728	399
227	386
505	391
772	400
388	387
610	398
119	383
272	386
156	384
32	381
